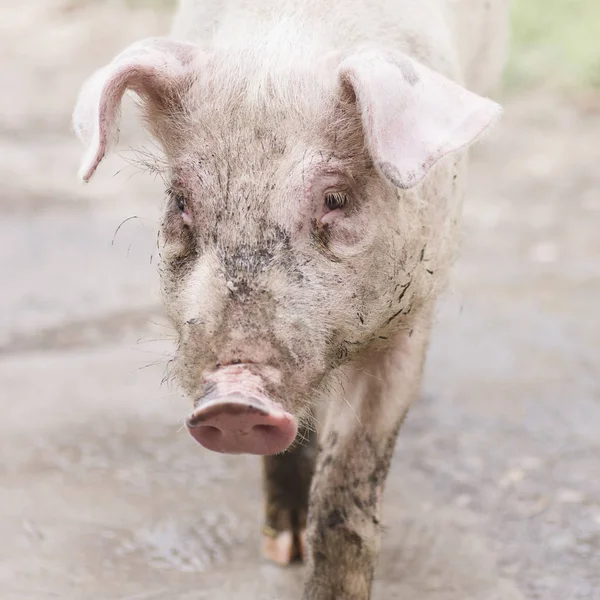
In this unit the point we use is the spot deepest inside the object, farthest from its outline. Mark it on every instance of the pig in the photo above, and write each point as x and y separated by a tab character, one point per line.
315	164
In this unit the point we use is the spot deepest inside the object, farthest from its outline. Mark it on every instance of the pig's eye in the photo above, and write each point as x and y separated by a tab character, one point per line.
336	200
180	201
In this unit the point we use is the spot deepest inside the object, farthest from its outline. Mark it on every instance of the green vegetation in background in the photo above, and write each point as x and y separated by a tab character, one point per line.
555	42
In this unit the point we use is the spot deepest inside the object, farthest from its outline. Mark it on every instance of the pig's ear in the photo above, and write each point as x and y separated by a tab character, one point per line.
411	115
155	69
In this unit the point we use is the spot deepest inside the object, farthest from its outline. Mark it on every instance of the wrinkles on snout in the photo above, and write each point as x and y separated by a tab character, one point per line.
245	406
235	415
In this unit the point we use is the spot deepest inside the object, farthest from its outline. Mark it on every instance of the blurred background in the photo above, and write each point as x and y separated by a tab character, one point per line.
494	492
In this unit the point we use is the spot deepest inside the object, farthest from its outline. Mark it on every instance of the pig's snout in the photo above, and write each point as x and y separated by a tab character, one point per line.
236	420
237	425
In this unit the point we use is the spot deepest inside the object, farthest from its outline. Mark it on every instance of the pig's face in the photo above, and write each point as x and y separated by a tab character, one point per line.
287	245
276	253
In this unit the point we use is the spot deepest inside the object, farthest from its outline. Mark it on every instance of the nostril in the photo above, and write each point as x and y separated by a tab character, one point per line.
211	433
264	429
211	428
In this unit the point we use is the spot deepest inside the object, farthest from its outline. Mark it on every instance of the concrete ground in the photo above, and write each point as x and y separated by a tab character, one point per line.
494	492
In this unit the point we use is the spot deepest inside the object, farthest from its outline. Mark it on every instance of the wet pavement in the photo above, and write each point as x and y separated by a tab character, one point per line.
494	492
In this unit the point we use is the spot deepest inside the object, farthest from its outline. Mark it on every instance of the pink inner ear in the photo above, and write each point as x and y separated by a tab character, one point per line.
149	68
413	116
98	129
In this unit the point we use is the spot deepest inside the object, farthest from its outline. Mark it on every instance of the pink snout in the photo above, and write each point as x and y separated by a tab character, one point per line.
242	425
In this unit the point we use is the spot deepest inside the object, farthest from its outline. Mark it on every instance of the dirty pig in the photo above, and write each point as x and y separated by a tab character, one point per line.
315	160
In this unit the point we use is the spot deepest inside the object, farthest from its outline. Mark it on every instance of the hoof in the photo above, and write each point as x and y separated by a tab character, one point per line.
283	547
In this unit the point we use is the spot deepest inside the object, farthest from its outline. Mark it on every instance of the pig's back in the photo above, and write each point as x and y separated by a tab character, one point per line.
481	28
456	37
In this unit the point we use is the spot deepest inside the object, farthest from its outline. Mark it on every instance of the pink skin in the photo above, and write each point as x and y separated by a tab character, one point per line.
236	416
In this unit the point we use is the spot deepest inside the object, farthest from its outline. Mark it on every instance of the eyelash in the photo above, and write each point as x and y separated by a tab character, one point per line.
336	200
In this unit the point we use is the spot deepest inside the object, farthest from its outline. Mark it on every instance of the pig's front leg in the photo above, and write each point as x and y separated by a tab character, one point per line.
353	462
287	479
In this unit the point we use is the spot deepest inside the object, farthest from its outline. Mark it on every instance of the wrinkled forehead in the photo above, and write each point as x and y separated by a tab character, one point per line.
238	102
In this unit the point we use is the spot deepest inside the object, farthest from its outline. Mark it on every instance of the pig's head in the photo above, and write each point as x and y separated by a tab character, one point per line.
291	241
